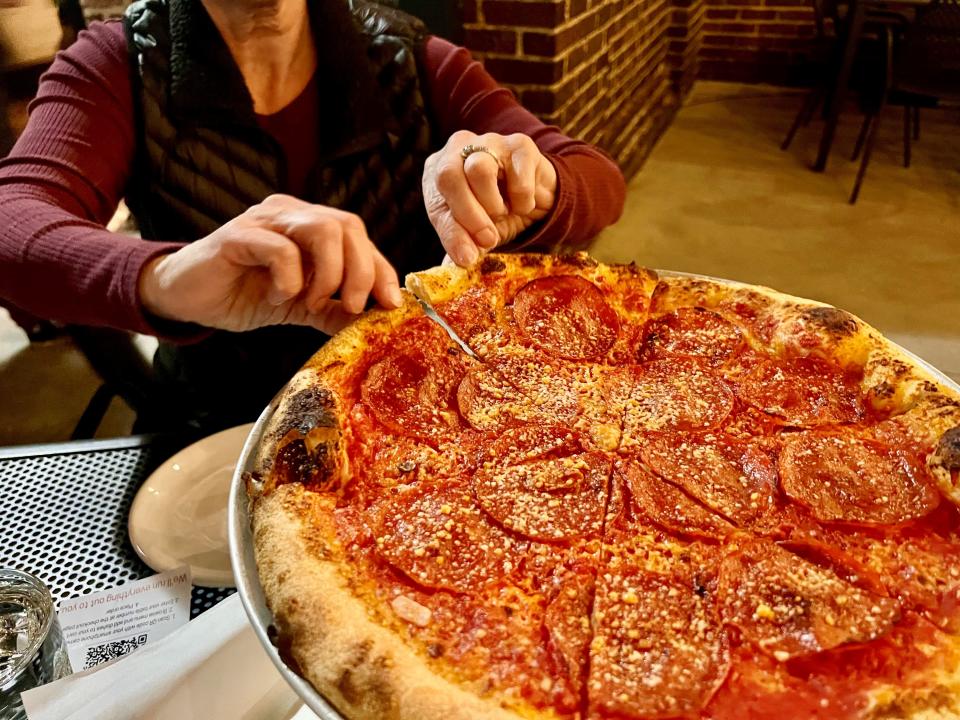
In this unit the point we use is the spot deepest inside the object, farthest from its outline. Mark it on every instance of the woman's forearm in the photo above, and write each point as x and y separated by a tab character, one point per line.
60	186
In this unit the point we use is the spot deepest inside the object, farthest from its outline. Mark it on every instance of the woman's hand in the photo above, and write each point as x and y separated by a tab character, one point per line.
478	203
278	263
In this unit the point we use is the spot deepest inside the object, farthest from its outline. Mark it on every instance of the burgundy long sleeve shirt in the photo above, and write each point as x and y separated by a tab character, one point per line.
63	179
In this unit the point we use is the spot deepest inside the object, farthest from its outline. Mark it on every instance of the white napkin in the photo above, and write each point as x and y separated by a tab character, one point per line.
213	667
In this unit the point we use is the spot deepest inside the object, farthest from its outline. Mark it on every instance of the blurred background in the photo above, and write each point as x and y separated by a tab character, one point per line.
742	126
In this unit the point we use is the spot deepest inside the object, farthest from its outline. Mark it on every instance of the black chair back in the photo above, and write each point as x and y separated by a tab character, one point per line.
929	59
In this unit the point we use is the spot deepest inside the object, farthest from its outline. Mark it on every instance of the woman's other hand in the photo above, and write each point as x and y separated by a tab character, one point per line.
280	262
485	200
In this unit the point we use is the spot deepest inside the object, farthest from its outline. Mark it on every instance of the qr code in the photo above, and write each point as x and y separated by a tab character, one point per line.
112	650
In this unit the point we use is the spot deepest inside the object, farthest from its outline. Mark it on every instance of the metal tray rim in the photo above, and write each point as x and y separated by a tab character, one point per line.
245	571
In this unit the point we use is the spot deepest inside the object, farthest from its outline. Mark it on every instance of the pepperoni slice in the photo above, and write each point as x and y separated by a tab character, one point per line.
735	478
674	394
397	462
924	572
551	387
488	402
803	391
532	442
789	607
567	621
411	393
921	570
380	460
659	650
567	316
551	499
668	506
440	538
842	478
692	332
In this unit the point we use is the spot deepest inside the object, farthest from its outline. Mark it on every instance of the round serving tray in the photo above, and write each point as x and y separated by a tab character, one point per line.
245	565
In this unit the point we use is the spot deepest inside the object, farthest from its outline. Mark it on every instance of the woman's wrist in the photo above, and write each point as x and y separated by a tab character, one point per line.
149	288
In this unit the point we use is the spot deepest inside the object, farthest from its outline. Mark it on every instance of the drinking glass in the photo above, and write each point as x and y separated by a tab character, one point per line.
32	650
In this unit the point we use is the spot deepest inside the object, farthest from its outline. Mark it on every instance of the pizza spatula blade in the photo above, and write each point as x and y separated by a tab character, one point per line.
432	314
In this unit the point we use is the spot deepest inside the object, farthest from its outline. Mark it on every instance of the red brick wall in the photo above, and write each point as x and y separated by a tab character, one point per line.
686	38
597	68
613	71
756	40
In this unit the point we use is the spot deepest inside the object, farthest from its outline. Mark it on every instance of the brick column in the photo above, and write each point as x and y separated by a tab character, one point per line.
686	37
596	68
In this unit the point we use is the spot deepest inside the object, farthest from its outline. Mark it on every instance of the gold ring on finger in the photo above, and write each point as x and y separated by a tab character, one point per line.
469	150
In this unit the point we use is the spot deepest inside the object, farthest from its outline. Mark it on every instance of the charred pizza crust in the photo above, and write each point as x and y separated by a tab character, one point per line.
331	635
307	415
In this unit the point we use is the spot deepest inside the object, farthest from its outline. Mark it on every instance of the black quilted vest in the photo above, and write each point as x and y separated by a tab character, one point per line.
202	159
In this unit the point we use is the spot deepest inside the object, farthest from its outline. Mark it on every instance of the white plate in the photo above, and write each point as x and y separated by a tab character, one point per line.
179	516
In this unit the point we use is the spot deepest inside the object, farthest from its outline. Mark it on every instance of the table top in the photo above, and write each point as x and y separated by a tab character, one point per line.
64	508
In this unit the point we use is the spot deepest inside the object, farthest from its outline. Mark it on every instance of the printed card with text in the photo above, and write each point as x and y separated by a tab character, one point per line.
107	625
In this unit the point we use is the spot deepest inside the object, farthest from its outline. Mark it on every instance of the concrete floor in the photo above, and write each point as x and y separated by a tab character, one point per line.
717	197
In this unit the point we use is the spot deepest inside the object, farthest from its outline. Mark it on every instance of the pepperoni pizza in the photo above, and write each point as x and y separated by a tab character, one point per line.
637	497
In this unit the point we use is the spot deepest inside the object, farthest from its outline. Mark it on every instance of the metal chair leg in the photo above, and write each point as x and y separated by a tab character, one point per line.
867	150
803	116
814	100
875	123
906	135
861	136
94	413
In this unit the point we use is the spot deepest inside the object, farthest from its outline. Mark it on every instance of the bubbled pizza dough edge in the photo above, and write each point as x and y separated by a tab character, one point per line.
325	632
447	282
894	379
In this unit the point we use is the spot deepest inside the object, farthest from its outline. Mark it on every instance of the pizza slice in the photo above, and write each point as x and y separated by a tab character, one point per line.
390	625
659	649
